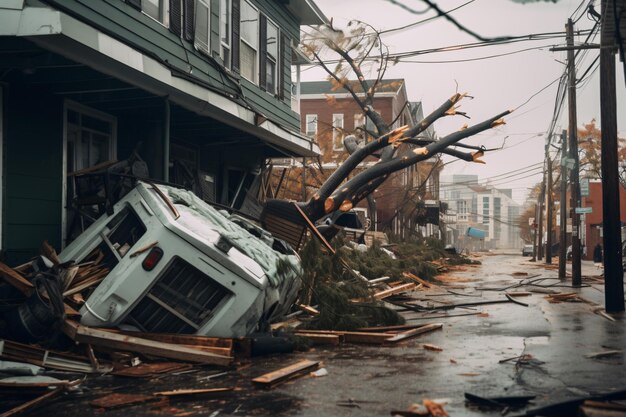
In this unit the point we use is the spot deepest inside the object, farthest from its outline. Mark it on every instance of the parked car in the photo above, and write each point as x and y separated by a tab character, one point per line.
527	250
178	265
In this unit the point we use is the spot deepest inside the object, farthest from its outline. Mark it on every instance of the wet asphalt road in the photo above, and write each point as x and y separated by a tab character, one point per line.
372	380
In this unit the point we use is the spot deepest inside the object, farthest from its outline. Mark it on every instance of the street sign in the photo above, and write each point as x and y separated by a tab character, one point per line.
584	210
584	187
531	221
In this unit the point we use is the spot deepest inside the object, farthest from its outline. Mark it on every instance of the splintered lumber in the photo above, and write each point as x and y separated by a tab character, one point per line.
45	358
151	369
49	252
435	410
205	392
395	290
419	280
352	337
111	340
218	345
308	309
415	332
118	400
434	348
282	375
15	279
381	329
33	403
321	339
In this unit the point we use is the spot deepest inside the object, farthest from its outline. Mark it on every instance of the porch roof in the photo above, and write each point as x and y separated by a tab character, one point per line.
60	33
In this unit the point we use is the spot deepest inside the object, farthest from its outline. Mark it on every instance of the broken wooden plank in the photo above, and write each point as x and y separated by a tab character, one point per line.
435	410
419	280
151	369
434	348
15	279
203	392
118	400
29	405
46	358
271	379
111	340
321	339
415	332
308	309
395	290
353	337
183	339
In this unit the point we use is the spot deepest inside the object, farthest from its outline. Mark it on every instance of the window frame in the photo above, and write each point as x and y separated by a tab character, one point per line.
164	11
308	119
227	61
255	72
338	131
275	59
196	44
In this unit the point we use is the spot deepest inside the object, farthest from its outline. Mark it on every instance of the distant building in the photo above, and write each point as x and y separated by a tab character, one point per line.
473	207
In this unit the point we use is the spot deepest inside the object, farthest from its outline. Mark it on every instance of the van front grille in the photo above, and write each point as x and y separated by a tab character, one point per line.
180	301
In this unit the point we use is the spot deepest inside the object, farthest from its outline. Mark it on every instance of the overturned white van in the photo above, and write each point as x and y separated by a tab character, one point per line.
178	265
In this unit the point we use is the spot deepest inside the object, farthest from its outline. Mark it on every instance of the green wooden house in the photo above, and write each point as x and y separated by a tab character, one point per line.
201	89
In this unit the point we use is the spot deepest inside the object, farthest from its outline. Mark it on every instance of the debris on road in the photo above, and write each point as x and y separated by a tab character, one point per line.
274	378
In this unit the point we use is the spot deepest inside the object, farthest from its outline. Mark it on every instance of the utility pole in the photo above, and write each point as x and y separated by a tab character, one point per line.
540	233
534	227
563	208
611	223
573	148
549	207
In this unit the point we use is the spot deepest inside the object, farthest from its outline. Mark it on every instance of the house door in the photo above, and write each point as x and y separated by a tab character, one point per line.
89	141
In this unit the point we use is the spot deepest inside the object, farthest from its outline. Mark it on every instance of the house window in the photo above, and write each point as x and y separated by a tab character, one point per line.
485	209
156	9
202	26
225	35
271	57
462	210
338	132
311	125
249	27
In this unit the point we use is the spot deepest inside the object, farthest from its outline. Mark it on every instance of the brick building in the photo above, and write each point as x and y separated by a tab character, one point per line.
328	114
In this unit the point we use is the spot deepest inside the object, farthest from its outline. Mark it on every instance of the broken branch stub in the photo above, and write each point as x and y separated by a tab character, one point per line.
350	189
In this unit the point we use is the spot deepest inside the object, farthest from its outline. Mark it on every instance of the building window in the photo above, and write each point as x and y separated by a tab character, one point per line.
338	132
249	26
225	31
271	57
156	9
462	210
311	125
203	26
485	209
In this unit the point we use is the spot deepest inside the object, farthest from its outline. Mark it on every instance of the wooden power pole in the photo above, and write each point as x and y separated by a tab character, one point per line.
611	222
563	208
573	148
549	209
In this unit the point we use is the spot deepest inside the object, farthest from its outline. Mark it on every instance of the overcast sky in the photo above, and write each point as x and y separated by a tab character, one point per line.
498	83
